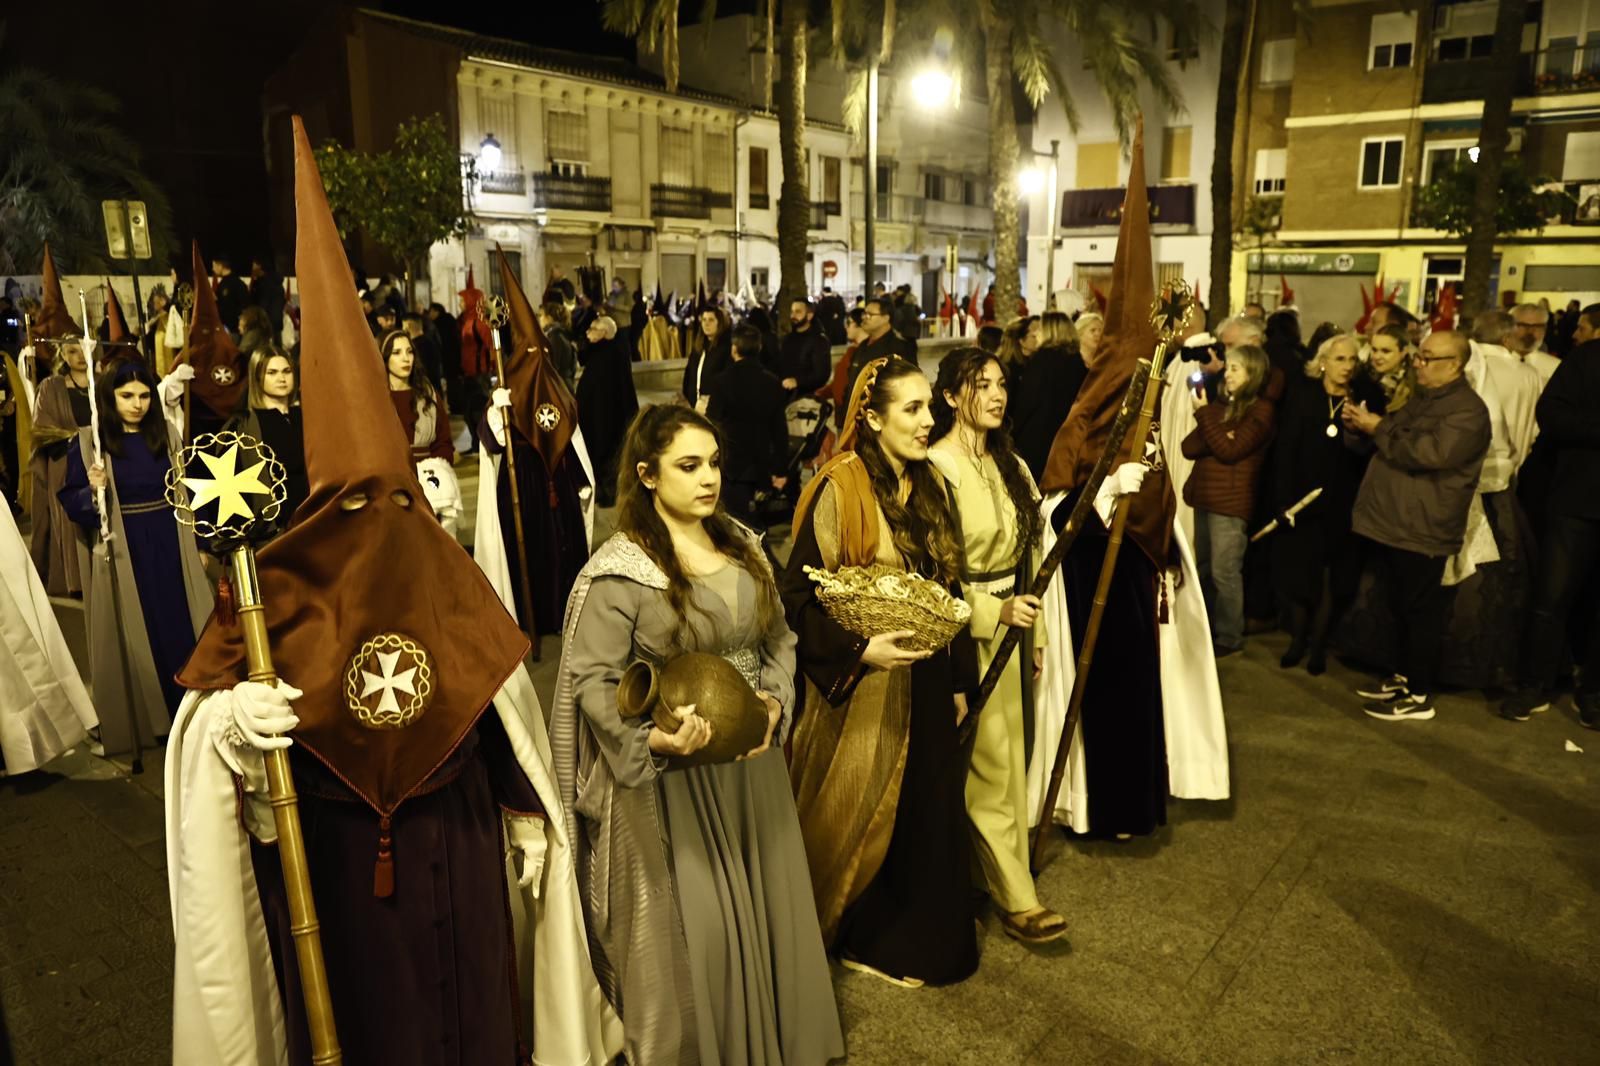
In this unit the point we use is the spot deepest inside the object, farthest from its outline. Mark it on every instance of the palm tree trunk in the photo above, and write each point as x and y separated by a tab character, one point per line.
1002	164
794	199
1494	135
1235	24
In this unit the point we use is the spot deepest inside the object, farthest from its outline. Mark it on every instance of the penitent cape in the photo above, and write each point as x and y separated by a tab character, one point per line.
336	597
557	493
1196	737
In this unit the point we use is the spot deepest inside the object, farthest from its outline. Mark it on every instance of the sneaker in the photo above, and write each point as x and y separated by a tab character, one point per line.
1402	706
1390	688
1589	717
1523	704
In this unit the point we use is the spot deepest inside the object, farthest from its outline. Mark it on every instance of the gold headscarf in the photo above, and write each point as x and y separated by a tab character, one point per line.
858	513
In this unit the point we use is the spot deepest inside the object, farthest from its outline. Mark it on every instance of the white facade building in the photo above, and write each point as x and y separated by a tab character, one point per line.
1093	171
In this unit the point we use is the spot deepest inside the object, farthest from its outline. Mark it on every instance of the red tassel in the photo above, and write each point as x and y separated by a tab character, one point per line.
383	870
1162	615
226	615
554	502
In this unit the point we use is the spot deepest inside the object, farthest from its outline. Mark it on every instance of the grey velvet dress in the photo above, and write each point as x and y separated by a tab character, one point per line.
758	986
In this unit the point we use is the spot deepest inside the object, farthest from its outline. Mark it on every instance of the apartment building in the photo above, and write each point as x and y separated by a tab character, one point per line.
1347	115
934	223
1091	170
575	160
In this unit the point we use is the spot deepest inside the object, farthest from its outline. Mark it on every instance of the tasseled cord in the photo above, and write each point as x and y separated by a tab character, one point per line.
1162	615
226	615
383	870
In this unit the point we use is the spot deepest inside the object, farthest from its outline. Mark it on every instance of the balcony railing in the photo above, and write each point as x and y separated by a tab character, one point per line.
760	201
681	201
513	182
562	192
1170	205
893	207
722	200
1562	70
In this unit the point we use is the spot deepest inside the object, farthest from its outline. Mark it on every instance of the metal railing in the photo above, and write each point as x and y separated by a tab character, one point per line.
514	182
760	201
681	201
1571	69
821	211
561	192
1170	205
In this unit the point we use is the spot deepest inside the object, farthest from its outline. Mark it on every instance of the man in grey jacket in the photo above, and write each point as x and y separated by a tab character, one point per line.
1413	505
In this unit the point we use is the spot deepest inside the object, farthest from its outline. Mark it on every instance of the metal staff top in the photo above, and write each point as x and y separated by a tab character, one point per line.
94	413
495	312
230	488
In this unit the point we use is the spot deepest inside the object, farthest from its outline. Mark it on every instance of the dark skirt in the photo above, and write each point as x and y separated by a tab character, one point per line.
916	917
154	553
557	542
1310	551
1124	737
422	977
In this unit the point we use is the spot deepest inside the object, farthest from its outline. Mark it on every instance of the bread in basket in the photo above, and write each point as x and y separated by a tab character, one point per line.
869	600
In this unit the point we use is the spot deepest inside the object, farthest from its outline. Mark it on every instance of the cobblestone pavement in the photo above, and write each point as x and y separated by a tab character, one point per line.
1373	893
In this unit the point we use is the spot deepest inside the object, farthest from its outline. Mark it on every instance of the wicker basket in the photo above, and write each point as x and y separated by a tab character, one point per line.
869	600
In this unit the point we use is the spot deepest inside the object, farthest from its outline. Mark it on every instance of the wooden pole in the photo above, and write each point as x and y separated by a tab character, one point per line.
303	924
1091	631
530	623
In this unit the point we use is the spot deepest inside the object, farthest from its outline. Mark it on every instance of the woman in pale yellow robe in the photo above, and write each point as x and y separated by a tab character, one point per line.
996	507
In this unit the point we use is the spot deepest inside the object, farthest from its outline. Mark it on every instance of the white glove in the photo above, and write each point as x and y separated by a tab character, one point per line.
525	837
497	425
501	398
171	387
1123	481
256	717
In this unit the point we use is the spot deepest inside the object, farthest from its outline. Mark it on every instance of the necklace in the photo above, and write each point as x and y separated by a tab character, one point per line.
1333	414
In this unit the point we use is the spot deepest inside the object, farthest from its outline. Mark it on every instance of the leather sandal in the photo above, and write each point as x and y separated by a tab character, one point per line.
1040	927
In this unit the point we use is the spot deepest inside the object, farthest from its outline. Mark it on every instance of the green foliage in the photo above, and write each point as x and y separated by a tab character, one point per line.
1446	204
1261	219
64	154
406	199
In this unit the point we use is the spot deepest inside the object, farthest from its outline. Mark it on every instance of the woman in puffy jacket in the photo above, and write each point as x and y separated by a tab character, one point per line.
1228	446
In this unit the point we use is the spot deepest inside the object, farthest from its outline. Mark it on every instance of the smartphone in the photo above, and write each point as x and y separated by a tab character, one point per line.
1197	382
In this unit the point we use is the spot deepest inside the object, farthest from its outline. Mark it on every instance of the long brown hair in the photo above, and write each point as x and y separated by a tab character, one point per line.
1256	365
422	394
651	434
958	370
153	427
922	527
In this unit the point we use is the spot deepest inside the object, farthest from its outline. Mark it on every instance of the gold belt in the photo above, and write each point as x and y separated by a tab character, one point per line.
146	508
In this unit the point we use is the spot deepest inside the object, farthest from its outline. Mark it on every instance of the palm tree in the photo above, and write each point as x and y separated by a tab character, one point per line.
1237	19
654	25
1494	134
64	154
794	197
1012	42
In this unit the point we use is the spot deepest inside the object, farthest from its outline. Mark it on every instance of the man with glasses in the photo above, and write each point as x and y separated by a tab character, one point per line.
1413	506
881	340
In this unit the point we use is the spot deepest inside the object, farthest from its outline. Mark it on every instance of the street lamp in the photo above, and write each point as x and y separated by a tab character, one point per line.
933	89
489	154
1030	180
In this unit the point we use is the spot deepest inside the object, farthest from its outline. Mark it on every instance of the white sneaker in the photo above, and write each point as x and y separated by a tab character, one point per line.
1405	706
1390	688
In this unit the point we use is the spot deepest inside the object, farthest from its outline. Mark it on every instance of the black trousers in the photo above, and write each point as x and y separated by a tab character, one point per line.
1420	606
1568	553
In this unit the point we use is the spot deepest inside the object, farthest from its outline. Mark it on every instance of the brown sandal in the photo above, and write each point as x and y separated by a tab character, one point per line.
1040	927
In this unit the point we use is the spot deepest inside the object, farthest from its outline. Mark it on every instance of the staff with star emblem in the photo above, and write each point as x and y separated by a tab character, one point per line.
146	595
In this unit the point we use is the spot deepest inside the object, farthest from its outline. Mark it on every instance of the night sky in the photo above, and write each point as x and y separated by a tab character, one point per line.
190	79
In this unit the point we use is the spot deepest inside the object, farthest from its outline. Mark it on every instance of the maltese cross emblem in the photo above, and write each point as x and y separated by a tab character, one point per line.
389	682
222	375
547	417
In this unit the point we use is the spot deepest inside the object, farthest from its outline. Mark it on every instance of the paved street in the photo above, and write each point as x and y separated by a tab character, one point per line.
1375	892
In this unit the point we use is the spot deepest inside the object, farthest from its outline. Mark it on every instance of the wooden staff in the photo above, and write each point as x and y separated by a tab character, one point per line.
1091	631
530	623
285	805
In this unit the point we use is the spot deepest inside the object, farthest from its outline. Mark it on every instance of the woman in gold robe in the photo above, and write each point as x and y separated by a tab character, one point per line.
996	508
876	767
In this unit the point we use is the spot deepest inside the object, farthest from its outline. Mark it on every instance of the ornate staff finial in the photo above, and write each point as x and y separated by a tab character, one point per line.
495	311
229	488
1171	310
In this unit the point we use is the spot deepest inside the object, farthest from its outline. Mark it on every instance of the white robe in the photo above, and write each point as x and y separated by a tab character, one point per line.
1191	698
44	707
226	1008
489	547
1177	422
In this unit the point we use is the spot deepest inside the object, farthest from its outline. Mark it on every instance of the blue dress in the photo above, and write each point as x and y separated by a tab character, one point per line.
139	477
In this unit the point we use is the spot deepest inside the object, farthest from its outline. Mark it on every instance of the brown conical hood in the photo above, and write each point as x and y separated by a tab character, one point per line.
395	636
542	407
1129	337
54	319
219	373
117	331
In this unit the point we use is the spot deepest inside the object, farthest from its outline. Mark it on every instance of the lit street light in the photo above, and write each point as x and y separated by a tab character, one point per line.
1031	180
933	89
489	155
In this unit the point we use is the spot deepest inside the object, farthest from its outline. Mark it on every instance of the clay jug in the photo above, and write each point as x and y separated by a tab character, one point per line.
719	692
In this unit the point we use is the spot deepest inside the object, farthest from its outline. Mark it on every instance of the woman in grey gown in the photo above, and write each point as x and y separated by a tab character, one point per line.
701	920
